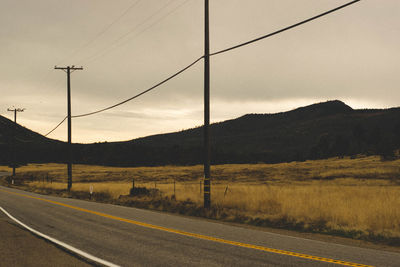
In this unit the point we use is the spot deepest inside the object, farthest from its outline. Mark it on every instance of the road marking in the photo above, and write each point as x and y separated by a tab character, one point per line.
62	244
199	236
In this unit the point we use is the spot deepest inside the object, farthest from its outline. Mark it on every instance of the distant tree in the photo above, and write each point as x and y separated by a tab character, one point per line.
359	133
341	145
322	148
396	133
386	150
375	135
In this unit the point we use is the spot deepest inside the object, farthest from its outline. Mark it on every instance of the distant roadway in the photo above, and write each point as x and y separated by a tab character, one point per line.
133	237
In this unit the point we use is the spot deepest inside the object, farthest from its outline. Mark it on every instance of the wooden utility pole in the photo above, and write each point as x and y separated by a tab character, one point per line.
15	110
207	182
69	70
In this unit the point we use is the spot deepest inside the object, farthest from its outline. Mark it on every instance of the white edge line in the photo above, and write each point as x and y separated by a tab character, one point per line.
62	244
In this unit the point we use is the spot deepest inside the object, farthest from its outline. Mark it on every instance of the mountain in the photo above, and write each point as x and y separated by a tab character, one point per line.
317	131
29	146
22	134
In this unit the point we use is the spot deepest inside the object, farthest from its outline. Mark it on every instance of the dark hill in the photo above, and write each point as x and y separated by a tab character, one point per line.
30	146
317	131
23	134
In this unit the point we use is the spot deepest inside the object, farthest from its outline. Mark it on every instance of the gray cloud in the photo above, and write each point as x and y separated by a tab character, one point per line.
350	55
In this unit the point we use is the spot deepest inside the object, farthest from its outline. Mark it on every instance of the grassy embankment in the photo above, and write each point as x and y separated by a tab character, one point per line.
358	198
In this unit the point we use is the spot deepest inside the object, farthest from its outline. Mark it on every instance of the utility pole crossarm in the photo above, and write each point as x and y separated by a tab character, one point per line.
68	68
71	68
16	109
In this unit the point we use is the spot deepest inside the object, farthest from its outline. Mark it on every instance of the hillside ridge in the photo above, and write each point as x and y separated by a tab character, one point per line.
316	131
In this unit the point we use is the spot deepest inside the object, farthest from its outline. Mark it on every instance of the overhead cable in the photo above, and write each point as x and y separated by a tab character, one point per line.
284	29
58	125
212	54
131	98
104	52
117	41
142	93
220	52
104	30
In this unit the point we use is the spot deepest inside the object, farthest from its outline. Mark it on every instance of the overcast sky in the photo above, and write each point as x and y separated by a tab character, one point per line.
126	46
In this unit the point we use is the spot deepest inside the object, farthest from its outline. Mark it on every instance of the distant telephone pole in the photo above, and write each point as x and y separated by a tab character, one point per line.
15	110
69	70
207	150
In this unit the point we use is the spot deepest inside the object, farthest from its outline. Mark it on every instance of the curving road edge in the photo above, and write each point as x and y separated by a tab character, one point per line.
62	244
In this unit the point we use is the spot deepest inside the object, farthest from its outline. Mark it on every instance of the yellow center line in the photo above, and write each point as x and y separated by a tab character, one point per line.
199	236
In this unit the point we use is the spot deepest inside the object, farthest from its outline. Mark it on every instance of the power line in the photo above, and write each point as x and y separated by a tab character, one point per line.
212	54
143	30
129	99
220	52
142	93
58	125
162	17
284	29
104	30
119	41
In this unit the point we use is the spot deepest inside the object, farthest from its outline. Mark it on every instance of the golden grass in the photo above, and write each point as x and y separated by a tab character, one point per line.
113	189
363	168
363	207
360	194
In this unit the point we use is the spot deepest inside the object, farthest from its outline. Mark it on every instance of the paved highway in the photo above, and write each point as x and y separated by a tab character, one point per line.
134	237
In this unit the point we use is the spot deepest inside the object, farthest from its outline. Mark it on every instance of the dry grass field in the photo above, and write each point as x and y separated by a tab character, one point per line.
359	197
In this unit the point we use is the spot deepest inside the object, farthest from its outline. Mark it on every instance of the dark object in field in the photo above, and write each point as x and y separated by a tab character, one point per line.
143	191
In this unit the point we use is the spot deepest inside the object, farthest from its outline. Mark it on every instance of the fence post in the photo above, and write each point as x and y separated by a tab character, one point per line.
226	190
90	192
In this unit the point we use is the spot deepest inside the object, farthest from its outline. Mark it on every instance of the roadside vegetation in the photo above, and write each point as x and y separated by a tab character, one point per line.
357	198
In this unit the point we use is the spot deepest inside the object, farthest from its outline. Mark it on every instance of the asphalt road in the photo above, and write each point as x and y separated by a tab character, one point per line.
113	233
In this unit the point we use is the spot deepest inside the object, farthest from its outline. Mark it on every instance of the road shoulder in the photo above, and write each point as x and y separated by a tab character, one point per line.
19	247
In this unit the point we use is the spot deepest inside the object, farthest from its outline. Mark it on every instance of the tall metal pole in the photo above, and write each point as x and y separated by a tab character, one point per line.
69	128
68	70
207	182
14	144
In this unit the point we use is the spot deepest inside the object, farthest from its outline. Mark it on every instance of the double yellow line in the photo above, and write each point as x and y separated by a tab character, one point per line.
204	237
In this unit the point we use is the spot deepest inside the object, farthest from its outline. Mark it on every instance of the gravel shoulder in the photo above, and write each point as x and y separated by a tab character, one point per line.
18	247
